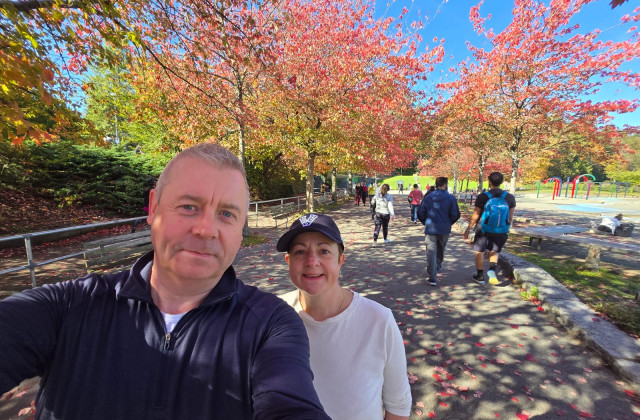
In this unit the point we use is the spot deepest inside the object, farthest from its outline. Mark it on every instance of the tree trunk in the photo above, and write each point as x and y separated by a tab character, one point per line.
350	183
481	162
245	230
515	163
455	180
311	161
334	196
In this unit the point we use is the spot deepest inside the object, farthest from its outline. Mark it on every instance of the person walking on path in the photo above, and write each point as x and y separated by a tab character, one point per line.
357	354
416	199
439	210
383	204
401	186
492	218
364	193
177	336
358	193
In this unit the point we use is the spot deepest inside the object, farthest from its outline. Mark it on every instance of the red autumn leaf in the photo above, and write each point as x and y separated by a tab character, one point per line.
442	403
432	415
479	344
523	416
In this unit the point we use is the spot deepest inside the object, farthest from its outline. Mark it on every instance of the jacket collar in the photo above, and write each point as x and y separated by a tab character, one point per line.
136	287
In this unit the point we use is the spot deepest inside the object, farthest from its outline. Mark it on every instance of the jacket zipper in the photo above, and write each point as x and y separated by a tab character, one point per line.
167	341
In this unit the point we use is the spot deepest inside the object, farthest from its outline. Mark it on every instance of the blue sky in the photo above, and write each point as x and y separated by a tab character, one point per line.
449	19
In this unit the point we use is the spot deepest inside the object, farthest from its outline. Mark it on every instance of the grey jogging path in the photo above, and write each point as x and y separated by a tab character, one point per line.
474	352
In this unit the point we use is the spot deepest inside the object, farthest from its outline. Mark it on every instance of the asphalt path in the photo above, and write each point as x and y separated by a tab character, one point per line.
473	352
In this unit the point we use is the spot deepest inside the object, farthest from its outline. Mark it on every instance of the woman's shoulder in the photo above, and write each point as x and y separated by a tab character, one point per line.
373	308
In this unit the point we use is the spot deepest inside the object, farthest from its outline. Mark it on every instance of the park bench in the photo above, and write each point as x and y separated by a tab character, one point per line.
116	249
566	234
282	211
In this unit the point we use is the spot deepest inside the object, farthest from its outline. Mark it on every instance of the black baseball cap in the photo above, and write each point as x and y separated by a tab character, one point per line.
312	222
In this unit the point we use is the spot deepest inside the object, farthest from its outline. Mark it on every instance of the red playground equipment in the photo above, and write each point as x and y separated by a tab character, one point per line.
584	178
556	187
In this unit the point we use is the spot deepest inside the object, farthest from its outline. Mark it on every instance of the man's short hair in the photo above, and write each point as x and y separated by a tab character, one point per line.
441	181
496	179
213	153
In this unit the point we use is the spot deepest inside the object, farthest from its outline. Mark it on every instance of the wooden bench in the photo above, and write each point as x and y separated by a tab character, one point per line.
282	211
564	234
115	249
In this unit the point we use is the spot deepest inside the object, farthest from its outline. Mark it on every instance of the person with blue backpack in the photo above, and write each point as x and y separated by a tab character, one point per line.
492	219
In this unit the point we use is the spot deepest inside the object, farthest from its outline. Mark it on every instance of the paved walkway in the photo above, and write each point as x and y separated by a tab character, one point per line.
474	352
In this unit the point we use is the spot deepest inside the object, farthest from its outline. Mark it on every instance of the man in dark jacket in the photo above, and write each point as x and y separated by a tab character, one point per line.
178	336
438	211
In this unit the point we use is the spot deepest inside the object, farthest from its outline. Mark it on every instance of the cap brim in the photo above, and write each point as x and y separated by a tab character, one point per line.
285	240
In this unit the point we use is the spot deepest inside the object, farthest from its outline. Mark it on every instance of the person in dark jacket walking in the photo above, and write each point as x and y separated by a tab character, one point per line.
178	336
439	210
364	193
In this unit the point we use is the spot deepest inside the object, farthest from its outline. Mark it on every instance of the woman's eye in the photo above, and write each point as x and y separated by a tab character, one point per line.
298	252
325	251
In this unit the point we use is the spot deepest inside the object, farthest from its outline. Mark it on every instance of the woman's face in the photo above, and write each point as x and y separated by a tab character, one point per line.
314	262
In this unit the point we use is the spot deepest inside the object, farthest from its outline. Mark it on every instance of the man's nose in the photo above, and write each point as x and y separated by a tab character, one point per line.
206	225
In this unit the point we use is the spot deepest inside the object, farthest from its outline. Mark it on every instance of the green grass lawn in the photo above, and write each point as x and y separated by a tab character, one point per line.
608	291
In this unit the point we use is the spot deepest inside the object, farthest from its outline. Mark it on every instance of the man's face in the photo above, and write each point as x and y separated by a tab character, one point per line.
314	262
196	227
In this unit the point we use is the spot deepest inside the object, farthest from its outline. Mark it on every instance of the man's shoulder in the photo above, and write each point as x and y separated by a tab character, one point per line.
262	304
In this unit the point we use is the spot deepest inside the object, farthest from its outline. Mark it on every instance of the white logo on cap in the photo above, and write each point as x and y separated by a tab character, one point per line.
307	220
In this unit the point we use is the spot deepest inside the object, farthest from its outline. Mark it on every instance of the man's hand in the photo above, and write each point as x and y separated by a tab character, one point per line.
465	235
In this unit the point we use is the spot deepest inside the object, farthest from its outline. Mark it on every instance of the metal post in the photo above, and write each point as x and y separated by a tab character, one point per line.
256	214
30	263
588	190
538	196
599	189
566	191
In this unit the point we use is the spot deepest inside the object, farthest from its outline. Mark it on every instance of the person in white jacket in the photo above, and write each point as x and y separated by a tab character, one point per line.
357	354
383	203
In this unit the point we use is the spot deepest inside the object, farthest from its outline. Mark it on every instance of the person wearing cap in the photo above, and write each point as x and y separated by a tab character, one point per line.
383	202
357	353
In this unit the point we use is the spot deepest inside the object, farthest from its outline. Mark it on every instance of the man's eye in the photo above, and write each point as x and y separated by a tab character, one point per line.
325	251
227	213
188	207
298	252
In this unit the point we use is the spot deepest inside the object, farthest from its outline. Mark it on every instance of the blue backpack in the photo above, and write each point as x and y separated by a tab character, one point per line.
495	218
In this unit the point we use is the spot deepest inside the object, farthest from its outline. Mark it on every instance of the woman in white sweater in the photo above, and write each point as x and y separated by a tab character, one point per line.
357	353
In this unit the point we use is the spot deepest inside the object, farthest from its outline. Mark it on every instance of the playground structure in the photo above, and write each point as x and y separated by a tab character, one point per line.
589	179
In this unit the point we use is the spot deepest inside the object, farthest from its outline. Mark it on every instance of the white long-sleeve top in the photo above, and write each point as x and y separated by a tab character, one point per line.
384	204
358	361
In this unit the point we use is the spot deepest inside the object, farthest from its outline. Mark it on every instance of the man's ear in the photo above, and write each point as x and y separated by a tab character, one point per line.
286	258
153	205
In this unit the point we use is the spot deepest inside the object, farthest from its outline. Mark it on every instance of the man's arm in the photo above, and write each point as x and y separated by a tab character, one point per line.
389	416
29	322
474	219
281	377
454	213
